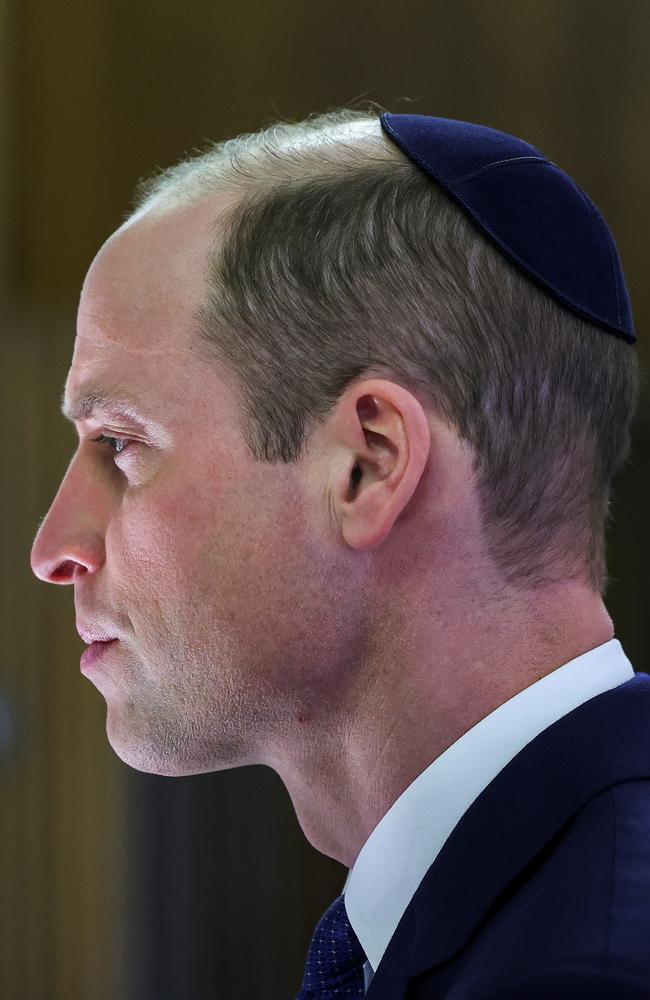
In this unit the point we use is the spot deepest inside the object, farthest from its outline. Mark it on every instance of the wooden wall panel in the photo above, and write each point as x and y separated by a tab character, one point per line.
61	788
106	90
5	105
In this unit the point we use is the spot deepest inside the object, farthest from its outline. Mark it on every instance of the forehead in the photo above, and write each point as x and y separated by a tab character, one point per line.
136	324
149	274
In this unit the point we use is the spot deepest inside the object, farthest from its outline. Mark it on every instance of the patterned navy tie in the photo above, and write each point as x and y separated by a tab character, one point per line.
334	966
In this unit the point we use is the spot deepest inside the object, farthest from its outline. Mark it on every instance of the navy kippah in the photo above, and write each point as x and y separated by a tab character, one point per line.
535	213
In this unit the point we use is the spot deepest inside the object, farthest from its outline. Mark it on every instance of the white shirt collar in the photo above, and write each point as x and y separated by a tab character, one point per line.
406	841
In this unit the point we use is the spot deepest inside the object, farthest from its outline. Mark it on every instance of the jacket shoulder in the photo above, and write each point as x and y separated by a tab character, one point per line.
578	913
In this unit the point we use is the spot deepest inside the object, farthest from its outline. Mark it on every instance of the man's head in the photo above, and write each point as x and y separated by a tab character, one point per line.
368	442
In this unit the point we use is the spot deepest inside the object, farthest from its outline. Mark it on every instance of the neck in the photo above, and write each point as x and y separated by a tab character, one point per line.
417	699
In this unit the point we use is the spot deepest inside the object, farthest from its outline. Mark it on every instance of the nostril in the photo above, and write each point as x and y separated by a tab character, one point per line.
63	570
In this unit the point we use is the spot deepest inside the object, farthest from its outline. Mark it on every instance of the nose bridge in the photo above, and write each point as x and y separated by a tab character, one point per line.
72	531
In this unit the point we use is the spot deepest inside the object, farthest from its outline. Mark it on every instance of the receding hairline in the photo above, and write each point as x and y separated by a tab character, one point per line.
280	154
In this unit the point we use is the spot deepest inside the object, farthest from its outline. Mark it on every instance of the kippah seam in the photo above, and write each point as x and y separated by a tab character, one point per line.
499	163
608	237
590	205
526	267
451	188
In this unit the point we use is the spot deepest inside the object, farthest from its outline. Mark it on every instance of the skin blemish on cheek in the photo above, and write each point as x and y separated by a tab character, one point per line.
303	718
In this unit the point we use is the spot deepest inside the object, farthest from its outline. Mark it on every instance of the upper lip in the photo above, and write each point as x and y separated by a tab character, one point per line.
94	634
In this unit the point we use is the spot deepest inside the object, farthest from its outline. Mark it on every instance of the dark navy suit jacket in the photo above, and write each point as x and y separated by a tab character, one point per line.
542	890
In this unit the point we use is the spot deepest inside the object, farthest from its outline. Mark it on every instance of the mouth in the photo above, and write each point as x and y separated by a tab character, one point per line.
95	651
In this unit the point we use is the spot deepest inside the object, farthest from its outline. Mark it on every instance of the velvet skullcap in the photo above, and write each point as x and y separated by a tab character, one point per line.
536	214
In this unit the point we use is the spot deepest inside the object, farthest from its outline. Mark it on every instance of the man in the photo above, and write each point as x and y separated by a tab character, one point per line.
350	393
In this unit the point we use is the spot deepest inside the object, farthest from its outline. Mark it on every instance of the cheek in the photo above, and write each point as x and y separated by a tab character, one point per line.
191	534
157	536
230	546
159	565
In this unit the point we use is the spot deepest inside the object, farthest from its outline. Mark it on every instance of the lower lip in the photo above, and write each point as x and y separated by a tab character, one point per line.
95	652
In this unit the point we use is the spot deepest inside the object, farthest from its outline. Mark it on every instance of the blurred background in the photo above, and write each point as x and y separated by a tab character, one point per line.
113	883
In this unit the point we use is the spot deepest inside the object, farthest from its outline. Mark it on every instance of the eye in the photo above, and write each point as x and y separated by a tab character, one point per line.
111	442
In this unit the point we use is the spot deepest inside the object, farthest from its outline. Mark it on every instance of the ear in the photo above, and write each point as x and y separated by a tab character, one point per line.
383	440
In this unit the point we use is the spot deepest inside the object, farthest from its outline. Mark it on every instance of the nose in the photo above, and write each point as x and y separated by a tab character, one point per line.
70	539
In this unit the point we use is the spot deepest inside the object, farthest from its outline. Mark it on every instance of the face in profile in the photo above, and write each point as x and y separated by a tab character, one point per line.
198	559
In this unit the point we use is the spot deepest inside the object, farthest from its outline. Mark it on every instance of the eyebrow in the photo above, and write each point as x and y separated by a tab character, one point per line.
96	400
